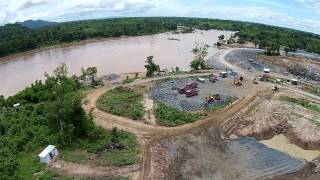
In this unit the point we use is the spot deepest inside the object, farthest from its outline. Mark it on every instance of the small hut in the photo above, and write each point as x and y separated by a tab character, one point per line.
48	154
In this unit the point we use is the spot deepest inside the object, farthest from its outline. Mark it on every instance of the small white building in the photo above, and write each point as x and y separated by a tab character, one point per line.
266	70
48	154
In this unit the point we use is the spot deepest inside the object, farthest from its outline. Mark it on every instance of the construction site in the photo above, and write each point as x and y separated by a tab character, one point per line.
267	125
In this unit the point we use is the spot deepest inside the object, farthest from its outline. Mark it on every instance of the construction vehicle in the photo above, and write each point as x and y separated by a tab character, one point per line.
210	100
213	78
217	97
192	85
189	86
255	81
237	81
275	88
263	77
191	92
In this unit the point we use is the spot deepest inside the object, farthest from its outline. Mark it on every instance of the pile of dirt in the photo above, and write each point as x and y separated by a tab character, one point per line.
202	154
260	119
263	117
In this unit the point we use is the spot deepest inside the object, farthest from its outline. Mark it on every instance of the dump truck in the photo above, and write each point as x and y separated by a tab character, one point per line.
192	85
213	78
189	86
191	92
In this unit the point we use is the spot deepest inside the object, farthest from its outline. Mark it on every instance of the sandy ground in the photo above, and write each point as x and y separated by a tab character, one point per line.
77	170
281	143
149	117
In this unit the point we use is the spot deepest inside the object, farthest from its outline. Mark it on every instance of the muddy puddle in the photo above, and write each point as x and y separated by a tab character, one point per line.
114	55
280	143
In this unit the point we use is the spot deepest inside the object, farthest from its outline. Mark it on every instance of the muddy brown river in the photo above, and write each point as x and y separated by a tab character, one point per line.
115	55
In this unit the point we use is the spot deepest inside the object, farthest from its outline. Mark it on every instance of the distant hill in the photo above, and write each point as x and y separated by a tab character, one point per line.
33	24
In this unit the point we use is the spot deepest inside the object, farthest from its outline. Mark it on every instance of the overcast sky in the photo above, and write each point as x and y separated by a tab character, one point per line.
297	14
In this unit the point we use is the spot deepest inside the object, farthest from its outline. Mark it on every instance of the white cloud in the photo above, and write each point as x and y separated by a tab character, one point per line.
20	10
67	10
313	5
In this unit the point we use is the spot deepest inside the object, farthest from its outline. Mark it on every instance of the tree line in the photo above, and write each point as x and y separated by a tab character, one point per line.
15	38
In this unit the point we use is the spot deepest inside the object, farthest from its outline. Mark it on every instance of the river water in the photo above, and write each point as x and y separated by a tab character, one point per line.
114	55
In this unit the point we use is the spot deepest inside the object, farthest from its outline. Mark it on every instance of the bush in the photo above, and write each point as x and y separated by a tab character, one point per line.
169	116
302	102
122	101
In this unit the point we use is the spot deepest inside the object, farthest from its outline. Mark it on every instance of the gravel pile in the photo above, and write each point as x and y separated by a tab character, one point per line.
216	65
260	161
167	92
247	59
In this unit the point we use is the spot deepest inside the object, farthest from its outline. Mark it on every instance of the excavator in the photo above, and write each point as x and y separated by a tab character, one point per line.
237	82
212	99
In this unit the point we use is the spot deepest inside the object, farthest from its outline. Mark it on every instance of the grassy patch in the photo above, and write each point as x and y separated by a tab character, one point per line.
29	167
169	116
128	80
302	102
313	90
117	148
103	151
221	106
122	101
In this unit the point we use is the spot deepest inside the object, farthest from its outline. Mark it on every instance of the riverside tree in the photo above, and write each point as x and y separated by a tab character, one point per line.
200	52
151	66
89	73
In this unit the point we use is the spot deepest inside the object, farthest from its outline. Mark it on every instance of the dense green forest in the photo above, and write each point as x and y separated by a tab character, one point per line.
15	38
51	112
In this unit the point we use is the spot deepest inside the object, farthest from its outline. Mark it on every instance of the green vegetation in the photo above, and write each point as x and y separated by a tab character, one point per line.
302	102
151	66
225	104
91	74
50	112
122	101
200	52
312	89
128	80
117	148
31	168
15	38
169	116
